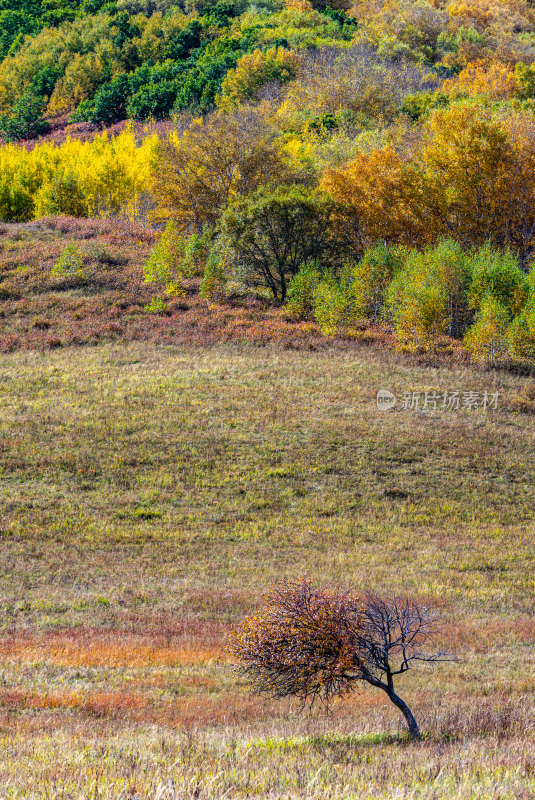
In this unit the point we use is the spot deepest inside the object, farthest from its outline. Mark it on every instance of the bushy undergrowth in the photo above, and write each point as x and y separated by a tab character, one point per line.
434	296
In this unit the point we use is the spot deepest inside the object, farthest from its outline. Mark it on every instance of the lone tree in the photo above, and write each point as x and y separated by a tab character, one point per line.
313	643
273	232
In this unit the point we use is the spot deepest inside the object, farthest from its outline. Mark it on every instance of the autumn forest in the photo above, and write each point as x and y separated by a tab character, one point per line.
361	164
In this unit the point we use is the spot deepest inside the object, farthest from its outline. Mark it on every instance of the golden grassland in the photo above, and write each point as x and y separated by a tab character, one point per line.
150	494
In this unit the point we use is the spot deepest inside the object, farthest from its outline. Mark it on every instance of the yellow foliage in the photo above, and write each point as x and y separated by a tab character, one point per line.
82	77
498	81
157	31
300	29
488	339
256	69
477	176
422	318
298	5
112	174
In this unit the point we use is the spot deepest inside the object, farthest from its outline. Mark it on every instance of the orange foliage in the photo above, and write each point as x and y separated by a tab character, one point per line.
472	180
477	11
496	80
373	199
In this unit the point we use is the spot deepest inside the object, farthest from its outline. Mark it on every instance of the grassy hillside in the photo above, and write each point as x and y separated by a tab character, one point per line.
226	226
151	493
105	298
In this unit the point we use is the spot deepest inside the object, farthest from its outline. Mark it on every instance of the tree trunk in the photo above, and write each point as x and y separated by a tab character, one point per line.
414	731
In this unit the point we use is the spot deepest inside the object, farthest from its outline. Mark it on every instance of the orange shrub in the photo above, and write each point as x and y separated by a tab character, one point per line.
496	80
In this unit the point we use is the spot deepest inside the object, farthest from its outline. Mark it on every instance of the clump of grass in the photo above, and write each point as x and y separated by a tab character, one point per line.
156	306
147	513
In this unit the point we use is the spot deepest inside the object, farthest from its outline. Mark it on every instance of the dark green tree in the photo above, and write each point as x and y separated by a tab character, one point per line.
26	120
272	232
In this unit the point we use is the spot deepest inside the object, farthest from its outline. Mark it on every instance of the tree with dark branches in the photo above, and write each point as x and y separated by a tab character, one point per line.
316	644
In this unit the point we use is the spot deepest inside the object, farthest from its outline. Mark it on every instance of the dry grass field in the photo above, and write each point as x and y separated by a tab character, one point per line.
151	492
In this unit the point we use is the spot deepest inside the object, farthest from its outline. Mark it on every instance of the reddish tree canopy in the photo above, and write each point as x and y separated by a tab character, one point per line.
314	643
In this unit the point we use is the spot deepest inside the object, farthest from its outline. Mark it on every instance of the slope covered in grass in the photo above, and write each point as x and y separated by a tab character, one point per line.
150	494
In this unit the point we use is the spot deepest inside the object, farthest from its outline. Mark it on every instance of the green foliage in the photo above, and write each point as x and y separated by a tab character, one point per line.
16	200
156	306
272	232
336	308
301	29
421	319
63	195
451	268
197	250
428	297
420	105
338	14
302	89
452	41
164	265
488	339
497	274
526	75
220	14
301	291
19	19
70	263
215	279
522	333
373	275
26	120
253	71
108	60
203	79
188	79
14	25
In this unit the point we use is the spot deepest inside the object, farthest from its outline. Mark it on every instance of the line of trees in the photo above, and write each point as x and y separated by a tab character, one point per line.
435	239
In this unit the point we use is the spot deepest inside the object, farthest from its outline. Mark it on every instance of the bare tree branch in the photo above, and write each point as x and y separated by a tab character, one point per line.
315	644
